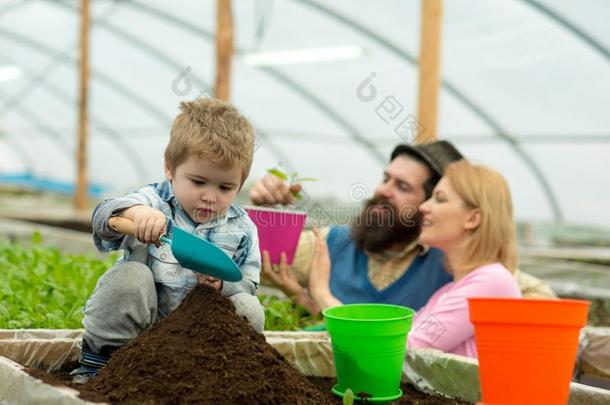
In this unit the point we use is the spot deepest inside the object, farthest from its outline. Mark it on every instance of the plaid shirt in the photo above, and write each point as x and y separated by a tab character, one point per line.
233	232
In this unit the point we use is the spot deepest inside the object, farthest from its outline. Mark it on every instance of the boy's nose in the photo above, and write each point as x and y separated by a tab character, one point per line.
208	197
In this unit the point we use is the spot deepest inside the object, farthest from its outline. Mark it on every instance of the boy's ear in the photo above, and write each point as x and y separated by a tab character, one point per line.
474	219
168	172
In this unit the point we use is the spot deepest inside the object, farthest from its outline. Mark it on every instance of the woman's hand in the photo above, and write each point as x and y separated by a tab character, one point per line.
282	277
319	276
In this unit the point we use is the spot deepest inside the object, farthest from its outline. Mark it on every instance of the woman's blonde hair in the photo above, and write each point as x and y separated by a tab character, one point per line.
494	240
211	129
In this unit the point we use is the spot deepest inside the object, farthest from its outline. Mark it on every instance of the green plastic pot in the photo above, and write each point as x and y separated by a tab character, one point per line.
369	343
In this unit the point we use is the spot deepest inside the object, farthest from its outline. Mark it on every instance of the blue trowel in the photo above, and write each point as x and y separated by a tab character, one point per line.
191	251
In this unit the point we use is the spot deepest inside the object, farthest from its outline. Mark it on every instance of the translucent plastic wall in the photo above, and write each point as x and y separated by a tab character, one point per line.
526	89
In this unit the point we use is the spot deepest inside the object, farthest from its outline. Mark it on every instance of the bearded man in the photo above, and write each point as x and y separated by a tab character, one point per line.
378	259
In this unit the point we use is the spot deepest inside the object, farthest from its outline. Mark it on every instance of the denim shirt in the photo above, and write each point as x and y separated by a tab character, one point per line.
233	232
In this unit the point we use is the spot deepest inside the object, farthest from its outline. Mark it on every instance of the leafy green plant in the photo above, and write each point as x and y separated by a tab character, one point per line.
283	314
291	178
41	287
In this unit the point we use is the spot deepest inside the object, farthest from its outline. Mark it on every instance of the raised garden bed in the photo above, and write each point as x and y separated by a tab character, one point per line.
204	353
428	370
412	396
310	353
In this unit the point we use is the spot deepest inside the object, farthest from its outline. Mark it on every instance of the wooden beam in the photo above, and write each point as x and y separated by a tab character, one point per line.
80	197
429	69
224	49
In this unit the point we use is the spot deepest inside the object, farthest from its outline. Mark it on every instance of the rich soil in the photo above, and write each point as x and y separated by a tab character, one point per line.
204	353
63	378
411	396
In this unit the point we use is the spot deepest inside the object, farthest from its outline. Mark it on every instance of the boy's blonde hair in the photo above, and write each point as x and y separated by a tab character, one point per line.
494	239
212	129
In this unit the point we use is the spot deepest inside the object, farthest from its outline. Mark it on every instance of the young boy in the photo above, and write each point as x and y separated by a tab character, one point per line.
207	161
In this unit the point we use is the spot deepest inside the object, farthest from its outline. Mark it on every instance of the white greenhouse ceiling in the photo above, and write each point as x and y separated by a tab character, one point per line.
525	89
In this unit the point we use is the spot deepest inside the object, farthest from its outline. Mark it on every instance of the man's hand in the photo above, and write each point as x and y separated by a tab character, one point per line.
286	280
213	282
271	190
319	276
149	223
281	276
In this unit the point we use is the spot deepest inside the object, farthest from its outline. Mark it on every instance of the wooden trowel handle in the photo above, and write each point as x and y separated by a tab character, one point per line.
122	225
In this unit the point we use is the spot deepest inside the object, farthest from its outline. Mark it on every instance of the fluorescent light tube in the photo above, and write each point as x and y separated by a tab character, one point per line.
304	55
8	73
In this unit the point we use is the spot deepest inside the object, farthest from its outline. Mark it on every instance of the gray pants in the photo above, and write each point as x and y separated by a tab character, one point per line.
124	303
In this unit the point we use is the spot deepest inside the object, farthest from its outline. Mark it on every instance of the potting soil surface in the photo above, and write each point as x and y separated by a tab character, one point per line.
411	396
203	352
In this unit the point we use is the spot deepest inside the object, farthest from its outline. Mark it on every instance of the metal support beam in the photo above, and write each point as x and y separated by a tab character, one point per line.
39	81
319	104
459	95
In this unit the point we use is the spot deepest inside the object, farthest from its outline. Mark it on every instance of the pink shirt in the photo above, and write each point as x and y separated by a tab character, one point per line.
444	322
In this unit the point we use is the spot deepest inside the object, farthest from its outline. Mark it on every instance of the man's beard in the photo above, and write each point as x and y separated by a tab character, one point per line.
376	230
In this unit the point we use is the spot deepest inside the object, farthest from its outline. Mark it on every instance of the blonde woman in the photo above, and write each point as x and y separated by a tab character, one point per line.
470	218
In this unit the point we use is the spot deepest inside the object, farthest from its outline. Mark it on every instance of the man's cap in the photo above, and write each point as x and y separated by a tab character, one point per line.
437	154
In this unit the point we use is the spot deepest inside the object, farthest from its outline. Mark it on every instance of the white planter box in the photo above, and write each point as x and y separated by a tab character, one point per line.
310	352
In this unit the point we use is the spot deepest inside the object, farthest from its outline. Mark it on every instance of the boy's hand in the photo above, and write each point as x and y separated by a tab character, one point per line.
149	223
213	282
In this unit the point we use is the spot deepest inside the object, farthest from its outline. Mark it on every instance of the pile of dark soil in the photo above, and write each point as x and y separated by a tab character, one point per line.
203	352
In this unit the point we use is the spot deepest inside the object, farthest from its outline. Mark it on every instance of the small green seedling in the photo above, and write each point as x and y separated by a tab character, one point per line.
348	397
291	178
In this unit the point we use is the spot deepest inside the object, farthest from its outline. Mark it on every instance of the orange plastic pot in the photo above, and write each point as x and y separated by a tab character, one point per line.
526	348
